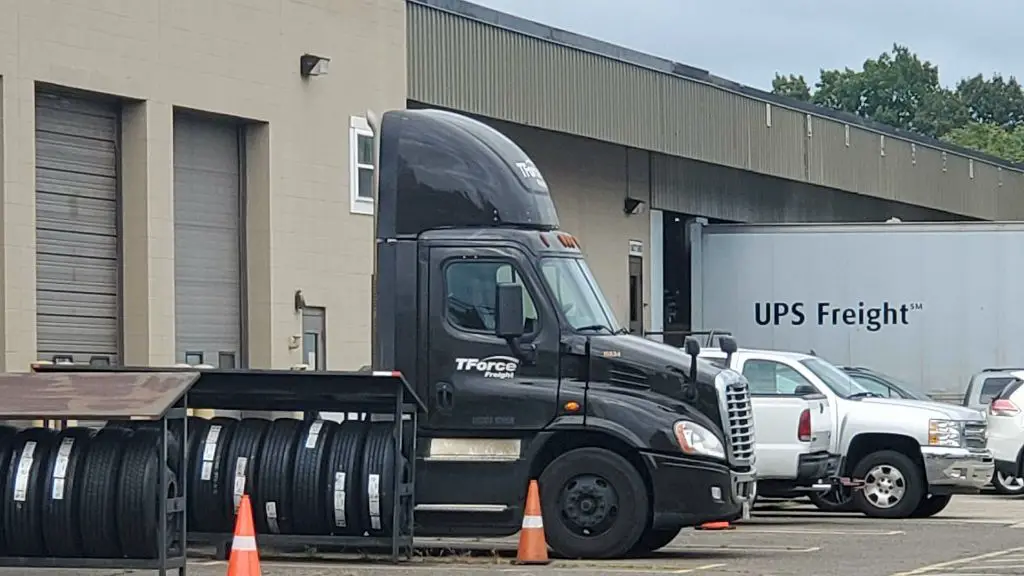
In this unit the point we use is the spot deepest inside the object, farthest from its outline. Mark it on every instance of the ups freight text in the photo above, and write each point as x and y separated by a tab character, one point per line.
873	318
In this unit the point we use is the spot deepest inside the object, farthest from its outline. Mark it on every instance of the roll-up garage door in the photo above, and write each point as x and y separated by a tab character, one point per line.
76	229
207	242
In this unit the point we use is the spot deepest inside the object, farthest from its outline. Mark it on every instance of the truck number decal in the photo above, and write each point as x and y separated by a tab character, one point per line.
501	367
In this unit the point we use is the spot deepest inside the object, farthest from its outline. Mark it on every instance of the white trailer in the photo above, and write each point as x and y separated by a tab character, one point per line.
930	303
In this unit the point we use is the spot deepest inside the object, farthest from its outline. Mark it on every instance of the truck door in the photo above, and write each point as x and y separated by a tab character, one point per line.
485	404
476	382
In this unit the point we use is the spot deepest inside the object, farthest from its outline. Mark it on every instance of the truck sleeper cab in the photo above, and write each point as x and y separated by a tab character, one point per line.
494	315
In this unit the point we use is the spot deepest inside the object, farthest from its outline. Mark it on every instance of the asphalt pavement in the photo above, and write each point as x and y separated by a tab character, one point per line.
975	536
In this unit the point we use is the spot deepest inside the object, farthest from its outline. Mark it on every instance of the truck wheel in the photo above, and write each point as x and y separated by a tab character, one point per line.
930	506
594	504
1008	485
652	540
893	485
835	500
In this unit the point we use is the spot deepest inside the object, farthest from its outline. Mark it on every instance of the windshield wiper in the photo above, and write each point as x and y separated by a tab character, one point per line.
860	395
595	327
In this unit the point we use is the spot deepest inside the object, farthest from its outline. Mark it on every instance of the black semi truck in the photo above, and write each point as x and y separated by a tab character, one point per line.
491	311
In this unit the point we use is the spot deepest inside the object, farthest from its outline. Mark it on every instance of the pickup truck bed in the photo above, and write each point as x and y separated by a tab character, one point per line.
786	463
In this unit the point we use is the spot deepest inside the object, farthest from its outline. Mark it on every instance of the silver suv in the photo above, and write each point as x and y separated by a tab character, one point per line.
983	387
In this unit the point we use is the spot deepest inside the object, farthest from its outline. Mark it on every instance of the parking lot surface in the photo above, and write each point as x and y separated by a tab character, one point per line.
975	536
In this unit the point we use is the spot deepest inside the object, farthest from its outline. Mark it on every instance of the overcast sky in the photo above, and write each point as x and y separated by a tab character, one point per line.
749	40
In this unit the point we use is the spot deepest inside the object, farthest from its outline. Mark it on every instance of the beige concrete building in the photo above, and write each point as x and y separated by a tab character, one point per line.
170	181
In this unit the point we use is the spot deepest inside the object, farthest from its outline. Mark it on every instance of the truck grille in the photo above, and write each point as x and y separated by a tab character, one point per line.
740	421
975	435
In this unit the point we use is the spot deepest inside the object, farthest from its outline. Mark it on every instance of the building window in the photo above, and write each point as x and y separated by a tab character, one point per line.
361	168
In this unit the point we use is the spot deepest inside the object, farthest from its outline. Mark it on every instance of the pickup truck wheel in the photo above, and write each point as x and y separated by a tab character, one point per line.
1009	485
931	505
838	499
893	485
594	504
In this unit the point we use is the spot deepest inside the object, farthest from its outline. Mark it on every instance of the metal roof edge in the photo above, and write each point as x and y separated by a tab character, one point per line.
576	41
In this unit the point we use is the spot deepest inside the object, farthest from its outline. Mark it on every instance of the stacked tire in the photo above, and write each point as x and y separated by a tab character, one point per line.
80	492
316	478
91	493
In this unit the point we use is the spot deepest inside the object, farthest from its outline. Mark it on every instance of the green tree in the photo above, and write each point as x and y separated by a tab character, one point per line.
1006	143
901	90
996	101
793	86
898	89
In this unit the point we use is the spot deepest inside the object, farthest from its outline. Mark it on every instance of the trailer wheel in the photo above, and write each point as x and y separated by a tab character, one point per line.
893	485
594	504
930	506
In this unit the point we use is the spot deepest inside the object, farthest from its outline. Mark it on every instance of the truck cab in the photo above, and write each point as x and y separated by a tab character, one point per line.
492	312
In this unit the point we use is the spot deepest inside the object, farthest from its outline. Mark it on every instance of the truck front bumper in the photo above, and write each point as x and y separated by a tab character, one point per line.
957	470
690	492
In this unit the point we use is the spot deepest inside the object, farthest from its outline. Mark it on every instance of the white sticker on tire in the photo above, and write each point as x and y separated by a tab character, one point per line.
339	500
314	433
239	487
207	471
210	448
24	468
272	517
373	499
60	468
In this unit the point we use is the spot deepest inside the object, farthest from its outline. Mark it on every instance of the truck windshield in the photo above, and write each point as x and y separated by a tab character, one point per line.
837	380
578	295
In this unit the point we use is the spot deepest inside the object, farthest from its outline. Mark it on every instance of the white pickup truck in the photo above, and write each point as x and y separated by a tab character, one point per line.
907	457
792	425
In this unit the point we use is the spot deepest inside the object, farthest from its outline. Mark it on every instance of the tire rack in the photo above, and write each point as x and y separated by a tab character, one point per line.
155	396
378	392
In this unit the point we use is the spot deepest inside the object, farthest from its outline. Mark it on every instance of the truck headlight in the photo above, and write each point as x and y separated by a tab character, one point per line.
944	433
696	440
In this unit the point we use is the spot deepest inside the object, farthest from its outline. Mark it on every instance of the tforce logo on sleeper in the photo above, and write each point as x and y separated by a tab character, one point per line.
500	367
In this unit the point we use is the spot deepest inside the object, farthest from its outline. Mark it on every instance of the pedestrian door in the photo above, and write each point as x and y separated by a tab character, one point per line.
636	295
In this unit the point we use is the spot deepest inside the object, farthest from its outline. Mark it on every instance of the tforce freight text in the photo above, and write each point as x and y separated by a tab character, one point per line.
872	318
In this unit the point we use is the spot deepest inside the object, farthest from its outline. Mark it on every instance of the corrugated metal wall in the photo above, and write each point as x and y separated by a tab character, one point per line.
460	63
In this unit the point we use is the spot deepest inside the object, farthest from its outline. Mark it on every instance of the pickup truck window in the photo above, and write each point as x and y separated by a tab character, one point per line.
837	380
872	385
771	377
992	387
471	289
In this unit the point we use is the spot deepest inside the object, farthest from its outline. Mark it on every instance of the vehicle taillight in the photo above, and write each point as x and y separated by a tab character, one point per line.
803	429
1003	408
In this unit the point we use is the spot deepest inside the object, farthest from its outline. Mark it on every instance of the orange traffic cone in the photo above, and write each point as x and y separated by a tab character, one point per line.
245	559
716	526
533	548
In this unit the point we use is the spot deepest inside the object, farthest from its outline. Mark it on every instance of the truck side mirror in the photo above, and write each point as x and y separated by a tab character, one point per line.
510	319
692	348
728	345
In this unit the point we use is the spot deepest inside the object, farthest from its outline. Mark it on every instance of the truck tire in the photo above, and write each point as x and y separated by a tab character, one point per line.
893	485
23	492
930	506
654	539
61	523
595	504
1007	485
835	500
207	482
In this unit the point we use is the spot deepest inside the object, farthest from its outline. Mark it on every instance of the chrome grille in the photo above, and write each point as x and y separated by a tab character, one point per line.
740	421
975	436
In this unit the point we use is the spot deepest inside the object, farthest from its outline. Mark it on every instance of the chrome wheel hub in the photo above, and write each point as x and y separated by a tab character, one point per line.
884	486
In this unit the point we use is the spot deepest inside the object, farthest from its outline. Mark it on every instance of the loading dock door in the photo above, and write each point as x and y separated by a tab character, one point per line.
207	242
77	284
